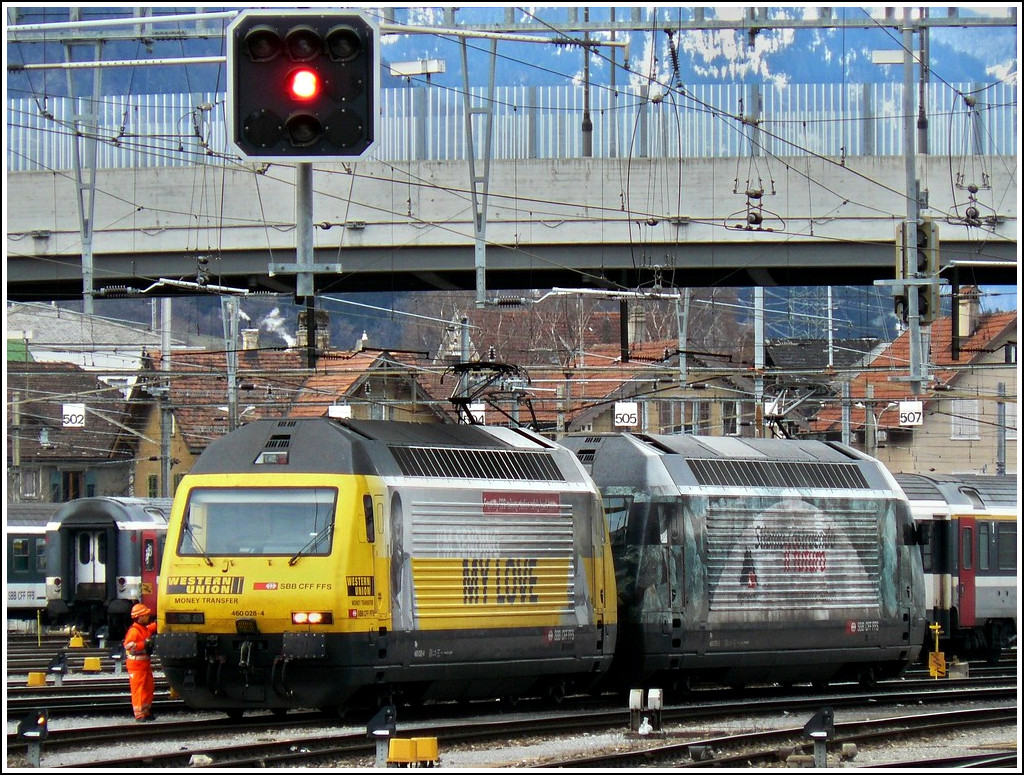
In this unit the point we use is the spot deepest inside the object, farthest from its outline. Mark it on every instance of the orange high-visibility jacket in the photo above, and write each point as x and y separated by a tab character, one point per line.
135	644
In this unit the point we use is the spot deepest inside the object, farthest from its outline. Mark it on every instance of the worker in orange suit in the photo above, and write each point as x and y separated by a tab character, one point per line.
138	649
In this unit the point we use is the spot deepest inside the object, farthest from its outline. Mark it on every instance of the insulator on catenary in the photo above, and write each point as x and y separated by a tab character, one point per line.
116	290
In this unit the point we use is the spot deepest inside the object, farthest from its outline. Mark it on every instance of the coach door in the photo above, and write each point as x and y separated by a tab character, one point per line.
91	552
966	559
150	566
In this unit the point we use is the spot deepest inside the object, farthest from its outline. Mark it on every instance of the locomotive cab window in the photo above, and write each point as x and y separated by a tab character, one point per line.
291	521
616	512
368	517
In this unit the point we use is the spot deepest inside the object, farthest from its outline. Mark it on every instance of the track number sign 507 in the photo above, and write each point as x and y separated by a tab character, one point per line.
911	412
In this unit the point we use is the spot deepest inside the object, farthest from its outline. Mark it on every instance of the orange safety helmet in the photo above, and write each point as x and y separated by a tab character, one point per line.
140	610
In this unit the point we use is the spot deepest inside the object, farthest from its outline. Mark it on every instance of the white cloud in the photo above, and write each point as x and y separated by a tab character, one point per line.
1006	71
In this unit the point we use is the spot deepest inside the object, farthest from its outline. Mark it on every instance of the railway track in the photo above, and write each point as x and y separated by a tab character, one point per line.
312	739
108	694
791	745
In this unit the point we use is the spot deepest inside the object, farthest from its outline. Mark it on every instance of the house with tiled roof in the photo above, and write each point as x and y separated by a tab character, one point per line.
113	349
706	395
711	399
577	359
968	422
368	384
196	390
188	394
64	434
803	373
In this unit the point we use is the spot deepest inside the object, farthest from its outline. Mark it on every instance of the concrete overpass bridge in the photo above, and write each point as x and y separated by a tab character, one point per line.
573	222
797	192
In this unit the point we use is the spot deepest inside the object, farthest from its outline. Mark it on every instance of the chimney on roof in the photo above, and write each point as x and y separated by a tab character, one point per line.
250	338
450	348
969	311
637	325
323	331
361	342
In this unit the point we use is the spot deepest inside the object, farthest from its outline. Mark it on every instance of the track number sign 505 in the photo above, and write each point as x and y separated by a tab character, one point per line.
626	414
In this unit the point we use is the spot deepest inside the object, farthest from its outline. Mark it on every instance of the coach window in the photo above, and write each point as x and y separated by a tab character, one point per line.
967	549
984	542
928	545
41	555
1006	546
19	555
149	554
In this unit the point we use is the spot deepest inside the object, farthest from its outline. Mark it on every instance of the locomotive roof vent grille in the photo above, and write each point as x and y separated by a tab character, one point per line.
285	424
586	455
477	464
278	442
275	451
760	473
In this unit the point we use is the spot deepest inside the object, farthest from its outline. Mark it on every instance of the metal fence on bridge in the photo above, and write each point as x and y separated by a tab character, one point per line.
418	123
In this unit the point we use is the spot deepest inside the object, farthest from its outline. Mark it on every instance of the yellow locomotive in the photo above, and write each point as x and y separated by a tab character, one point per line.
328	564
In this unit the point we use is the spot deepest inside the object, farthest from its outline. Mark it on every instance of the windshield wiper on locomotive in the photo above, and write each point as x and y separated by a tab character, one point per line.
324	531
195	542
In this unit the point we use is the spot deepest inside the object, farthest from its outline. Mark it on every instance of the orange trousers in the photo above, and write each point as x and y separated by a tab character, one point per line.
140	679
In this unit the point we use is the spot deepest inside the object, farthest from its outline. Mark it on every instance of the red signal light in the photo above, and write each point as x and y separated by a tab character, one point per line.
303	84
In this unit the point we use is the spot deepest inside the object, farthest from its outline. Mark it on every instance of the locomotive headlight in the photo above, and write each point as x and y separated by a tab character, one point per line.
312	617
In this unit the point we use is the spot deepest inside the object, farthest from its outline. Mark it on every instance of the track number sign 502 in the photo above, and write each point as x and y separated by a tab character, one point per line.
73	415
911	412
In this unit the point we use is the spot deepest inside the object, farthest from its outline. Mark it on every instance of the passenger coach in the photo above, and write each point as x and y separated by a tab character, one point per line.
102	557
968	527
25	533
